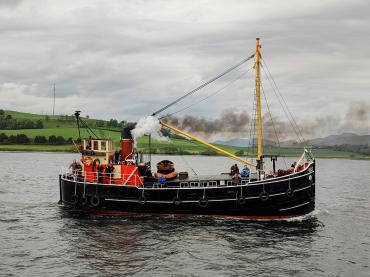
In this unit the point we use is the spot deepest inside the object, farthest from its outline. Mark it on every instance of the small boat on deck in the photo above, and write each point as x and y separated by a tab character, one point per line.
112	181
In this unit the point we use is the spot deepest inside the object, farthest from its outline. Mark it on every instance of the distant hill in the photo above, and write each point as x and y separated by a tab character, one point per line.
332	140
342	139
239	142
65	125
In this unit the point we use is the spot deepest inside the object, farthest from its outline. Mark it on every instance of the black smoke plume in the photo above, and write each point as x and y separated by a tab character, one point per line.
229	123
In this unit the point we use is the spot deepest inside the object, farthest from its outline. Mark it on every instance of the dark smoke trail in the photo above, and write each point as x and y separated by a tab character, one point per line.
232	124
357	118
229	123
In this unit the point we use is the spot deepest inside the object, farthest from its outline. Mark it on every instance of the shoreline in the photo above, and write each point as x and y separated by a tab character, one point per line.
70	149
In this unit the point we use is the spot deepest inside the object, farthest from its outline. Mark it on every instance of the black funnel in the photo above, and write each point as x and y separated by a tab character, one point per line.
126	133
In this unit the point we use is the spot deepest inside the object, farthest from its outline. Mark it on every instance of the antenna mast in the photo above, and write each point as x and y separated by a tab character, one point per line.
54	100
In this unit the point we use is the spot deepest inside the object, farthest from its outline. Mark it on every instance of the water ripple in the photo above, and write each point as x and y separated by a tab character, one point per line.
38	238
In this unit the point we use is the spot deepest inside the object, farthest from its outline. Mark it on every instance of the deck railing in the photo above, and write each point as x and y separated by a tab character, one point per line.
103	178
124	179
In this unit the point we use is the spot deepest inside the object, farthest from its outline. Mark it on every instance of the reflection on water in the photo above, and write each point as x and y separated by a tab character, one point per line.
37	237
137	244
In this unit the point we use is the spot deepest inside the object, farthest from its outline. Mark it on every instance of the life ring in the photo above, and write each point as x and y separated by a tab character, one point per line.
176	201
203	202
84	201
168	176
264	196
74	199
87	161
310	180
241	200
95	201
310	194
290	192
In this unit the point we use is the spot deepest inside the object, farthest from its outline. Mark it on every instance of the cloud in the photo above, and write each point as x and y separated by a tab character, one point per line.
126	59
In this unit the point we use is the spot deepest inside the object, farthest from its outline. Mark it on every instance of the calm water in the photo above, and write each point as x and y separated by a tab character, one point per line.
37	238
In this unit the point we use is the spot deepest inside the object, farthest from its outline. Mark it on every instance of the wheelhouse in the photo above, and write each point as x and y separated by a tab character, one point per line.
101	149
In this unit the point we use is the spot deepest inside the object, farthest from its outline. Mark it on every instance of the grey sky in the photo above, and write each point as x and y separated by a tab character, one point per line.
125	59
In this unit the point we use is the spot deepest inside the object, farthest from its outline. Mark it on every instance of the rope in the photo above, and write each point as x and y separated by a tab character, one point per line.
208	96
277	92
252	128
252	134
183	158
203	85
272	121
88	129
192	169
284	107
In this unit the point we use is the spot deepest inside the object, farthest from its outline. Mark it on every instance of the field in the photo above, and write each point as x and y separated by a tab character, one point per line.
66	127
43	148
65	132
52	121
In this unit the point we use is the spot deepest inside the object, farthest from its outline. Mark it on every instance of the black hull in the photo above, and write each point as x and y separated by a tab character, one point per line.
287	196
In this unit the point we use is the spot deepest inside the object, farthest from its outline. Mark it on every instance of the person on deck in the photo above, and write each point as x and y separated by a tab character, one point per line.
88	143
245	172
117	157
234	170
98	169
100	173
75	167
109	172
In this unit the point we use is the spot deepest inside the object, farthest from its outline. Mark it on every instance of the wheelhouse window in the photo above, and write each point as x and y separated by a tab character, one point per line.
103	146
96	145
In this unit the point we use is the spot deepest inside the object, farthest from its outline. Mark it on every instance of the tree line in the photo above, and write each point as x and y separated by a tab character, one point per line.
112	123
24	139
9	123
359	148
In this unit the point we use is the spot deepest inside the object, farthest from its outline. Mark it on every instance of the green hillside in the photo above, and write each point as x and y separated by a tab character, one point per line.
65	132
65	126
55	121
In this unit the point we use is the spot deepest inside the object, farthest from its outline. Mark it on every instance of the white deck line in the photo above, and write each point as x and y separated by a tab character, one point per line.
192	188
196	201
297	206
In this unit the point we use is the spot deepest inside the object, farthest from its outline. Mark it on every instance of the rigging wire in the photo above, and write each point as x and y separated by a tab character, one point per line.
277	92
88	129
203	85
197	143
272	121
191	168
299	137
252	128
208	96
203	99
269	112
184	160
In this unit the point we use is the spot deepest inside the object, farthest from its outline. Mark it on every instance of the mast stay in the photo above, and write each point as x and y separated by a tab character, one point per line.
203	85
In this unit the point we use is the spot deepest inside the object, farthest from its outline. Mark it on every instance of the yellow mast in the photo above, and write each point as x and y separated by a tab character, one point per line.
206	144
258	98
259	120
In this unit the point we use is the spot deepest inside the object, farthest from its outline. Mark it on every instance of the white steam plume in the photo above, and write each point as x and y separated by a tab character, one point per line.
148	126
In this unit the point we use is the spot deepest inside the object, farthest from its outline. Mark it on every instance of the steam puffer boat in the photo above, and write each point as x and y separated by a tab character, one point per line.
112	181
